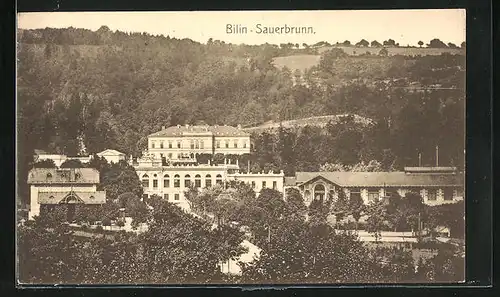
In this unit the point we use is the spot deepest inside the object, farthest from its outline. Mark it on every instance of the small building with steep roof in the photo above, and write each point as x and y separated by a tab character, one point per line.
67	188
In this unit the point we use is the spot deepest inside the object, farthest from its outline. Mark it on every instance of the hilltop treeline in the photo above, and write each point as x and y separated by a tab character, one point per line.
109	89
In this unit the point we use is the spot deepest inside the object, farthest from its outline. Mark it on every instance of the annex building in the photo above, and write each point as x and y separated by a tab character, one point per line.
171	181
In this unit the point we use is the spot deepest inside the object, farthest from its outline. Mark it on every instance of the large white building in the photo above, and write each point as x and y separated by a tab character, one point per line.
183	143
171	181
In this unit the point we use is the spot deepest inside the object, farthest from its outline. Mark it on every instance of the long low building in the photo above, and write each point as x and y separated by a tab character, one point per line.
436	185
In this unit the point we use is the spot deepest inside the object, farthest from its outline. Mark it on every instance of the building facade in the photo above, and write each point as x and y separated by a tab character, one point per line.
112	156
68	187
171	181
436	185
57	158
183	143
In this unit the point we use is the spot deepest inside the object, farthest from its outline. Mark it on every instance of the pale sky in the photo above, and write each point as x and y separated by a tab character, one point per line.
404	26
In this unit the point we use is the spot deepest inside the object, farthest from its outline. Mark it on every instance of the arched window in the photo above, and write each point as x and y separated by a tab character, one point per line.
235	143
187	181
161	144
155	181
197	144
244	144
202	144
192	144
152	145
166	181
319	192
77	175
197	181
218	179
227	143
208	181
177	181
145	181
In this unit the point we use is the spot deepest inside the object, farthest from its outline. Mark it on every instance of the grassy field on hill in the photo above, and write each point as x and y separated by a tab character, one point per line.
406	51
356	63
319	121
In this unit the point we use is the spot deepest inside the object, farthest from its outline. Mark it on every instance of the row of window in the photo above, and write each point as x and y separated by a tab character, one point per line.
432	194
197	144
177	181
165	196
227	144
264	185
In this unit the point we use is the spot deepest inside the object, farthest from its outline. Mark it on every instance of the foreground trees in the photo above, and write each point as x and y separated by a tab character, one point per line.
177	248
181	248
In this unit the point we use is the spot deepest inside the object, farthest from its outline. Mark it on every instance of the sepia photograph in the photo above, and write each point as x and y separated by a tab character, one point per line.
241	147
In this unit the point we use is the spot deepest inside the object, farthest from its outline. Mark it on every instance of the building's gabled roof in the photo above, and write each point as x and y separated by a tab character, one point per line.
70	197
63	176
290	181
110	152
381	179
209	130
41	152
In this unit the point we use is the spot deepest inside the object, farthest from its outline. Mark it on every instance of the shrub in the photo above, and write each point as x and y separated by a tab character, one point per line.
106	222
120	223
99	228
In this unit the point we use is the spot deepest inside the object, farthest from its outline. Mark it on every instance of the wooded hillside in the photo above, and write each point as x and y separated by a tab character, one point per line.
112	89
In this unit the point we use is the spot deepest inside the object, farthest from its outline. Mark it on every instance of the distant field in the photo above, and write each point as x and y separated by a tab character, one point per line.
407	51
303	62
349	67
319	121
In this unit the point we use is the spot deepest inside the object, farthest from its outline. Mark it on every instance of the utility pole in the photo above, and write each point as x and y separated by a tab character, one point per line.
269	233
419	227
437	156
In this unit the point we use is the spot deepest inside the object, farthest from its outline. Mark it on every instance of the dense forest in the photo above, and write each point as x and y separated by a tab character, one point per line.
95	90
